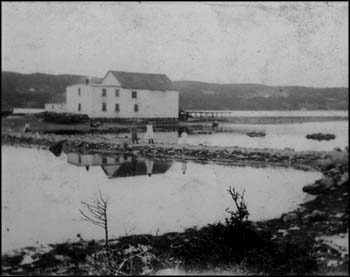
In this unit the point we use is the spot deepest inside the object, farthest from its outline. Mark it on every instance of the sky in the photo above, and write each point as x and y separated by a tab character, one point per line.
272	43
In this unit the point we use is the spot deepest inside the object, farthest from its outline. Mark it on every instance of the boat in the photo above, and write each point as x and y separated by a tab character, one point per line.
256	134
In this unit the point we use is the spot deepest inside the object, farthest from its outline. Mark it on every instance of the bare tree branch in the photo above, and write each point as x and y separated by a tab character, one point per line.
98	216
240	215
87	218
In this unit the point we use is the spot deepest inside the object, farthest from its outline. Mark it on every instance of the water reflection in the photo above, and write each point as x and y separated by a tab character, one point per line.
120	165
184	167
57	148
43	204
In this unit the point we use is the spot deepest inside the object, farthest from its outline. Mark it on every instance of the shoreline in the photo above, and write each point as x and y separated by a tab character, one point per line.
217	154
302	229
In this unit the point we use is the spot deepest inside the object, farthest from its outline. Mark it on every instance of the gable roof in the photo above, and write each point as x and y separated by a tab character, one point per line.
135	168
131	80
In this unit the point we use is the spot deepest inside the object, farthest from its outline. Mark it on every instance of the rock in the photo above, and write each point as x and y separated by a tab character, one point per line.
316	215
284	232
339	215
328	182
320	136
314	189
300	209
319	186
343	179
294	228
27	260
60	258
333	171
289	217
332	263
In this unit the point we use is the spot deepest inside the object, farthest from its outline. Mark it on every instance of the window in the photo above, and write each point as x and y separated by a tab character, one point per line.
104	160
117	93
79	107
104	92
136	108
116	107
79	92
104	107
133	94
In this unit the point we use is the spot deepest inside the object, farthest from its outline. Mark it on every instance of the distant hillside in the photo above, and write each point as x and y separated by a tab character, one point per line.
34	90
210	96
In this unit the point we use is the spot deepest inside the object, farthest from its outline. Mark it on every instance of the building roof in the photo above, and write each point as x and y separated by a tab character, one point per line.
135	168
131	80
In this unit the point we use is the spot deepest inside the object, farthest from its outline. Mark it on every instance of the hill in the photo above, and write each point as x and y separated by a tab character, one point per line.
210	96
34	90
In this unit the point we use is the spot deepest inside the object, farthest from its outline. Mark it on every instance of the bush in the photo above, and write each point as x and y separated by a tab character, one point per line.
63	118
240	215
282	257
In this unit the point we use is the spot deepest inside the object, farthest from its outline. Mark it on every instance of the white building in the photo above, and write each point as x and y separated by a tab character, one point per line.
125	95
55	107
23	111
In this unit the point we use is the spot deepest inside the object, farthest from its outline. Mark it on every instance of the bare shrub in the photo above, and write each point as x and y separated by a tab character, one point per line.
98	214
240	215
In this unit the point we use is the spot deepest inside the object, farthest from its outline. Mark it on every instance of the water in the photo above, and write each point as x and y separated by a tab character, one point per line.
278	136
296	113
42	194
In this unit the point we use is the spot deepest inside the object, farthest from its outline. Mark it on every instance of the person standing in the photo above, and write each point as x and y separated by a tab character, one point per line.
183	138
149	133
215	126
134	138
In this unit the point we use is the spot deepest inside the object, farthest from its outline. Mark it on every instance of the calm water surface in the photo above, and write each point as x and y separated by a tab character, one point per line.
42	194
278	136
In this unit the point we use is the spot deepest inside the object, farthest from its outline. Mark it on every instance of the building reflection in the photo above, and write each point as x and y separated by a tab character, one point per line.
120	165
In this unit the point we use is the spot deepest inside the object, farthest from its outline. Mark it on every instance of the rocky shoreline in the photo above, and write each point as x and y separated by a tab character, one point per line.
299	242
100	144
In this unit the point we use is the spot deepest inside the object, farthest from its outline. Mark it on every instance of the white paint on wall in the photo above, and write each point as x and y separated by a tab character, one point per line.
73	99
26	111
151	104
93	97
110	80
55	107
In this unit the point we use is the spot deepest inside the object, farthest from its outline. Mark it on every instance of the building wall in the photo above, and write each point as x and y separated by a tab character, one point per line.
151	104
27	111
110	80
83	160
55	107
73	99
